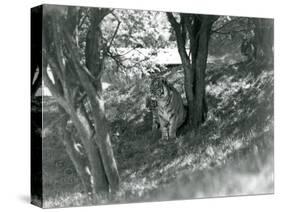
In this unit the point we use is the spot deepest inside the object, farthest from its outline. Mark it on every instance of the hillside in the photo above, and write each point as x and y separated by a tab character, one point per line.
231	154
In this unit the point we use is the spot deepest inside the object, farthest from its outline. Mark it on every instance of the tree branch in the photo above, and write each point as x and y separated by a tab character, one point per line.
114	35
82	20
229	32
224	25
58	47
80	70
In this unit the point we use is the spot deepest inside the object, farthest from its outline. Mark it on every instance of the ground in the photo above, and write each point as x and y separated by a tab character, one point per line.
231	154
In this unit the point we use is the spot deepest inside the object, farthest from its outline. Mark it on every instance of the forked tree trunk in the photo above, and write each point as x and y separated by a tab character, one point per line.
105	172
94	62
198	28
92	86
70	77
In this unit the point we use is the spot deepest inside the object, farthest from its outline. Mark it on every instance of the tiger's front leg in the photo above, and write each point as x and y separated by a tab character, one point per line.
164	129
172	129
165	133
155	122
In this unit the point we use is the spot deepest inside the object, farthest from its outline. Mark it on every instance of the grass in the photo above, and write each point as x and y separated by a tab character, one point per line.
231	155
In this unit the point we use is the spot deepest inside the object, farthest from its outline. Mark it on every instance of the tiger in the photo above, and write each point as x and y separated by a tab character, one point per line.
170	108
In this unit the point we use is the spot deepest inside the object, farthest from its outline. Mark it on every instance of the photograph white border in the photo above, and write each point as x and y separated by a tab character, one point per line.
15	102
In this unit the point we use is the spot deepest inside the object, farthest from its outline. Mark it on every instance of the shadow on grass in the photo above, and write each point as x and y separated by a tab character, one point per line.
233	147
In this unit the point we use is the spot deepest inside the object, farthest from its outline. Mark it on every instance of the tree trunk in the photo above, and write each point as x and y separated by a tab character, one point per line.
198	27
101	186
79	161
94	62
71	78
90	80
200	61
264	40
188	75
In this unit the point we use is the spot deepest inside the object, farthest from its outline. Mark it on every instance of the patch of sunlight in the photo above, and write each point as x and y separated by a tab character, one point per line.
210	151
261	96
132	90
66	200
205	164
156	151
172	164
215	136
46	132
187	160
105	85
237	144
139	186
268	127
220	155
133	175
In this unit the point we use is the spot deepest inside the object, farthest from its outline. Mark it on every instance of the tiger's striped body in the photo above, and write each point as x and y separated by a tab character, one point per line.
170	107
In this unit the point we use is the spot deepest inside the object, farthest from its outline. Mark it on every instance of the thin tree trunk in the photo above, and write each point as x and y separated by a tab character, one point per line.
188	75
200	64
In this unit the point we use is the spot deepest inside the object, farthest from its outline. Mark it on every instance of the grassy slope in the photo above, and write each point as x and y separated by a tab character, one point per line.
231	155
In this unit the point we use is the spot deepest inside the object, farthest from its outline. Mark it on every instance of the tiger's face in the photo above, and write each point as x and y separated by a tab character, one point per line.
158	88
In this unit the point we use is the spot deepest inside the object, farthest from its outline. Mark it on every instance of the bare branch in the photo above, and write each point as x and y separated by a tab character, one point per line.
82	21
225	25
229	32
136	63
121	55
117	28
114	35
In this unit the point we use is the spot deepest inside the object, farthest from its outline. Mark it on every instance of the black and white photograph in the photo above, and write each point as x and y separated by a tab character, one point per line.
133	106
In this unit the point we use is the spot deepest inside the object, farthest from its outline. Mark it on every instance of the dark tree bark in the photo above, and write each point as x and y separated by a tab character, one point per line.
94	51
198	28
